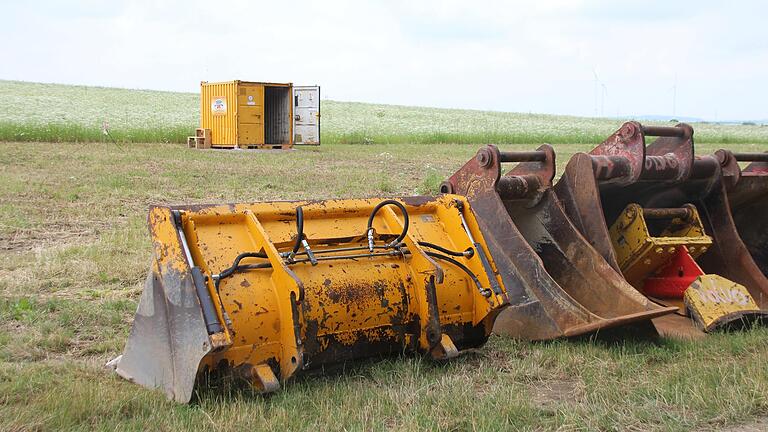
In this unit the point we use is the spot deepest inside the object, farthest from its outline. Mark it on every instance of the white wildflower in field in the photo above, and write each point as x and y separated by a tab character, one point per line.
45	105
403	122
90	106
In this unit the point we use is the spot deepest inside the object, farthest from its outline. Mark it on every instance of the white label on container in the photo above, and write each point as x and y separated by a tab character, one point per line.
250	100
219	105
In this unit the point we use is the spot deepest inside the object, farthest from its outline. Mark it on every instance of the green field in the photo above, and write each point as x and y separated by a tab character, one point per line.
59	113
74	252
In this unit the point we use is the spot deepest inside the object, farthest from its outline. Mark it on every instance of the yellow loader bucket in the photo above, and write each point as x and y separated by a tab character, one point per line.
558	284
268	290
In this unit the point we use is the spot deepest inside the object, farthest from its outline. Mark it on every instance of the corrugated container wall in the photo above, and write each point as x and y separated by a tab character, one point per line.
217	112
245	114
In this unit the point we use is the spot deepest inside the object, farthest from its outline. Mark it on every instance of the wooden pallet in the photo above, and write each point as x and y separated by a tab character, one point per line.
201	140
268	146
253	147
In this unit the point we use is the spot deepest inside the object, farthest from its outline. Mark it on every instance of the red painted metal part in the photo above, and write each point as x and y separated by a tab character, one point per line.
671	281
619	159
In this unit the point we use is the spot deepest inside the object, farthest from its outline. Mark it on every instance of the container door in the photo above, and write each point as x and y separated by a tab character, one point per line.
306	115
250	113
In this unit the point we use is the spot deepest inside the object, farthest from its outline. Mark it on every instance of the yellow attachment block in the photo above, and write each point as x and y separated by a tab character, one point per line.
714	301
641	254
333	299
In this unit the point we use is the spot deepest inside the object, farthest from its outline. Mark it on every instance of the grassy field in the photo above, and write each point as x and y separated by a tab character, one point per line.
74	252
60	113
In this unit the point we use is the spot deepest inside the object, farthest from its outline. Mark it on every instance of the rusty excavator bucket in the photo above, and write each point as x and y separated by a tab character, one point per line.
558	284
748	198
661	216
266	291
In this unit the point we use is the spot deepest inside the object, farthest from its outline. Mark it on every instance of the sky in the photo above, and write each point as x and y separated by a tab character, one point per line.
703	59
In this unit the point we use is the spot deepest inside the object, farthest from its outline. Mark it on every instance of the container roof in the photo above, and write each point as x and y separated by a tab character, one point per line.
246	82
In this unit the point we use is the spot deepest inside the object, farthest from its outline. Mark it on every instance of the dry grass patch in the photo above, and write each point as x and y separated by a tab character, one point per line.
76	251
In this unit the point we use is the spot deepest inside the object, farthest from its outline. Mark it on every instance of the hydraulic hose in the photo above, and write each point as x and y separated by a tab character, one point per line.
484	291
299	229
469	253
235	266
228	271
378	207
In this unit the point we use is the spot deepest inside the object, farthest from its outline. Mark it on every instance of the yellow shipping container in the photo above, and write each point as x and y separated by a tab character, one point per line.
248	114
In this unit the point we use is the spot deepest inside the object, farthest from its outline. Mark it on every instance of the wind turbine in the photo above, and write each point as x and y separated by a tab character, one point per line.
602	99
674	97
598	86
597	83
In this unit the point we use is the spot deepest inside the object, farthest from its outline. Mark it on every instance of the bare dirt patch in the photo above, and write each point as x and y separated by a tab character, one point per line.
552	393
758	425
36	239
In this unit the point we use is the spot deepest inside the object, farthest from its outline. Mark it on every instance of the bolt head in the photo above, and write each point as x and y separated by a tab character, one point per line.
627	131
484	158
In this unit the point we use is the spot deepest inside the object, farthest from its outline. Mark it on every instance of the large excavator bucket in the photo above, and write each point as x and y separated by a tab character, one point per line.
558	284
748	198
268	290
622	178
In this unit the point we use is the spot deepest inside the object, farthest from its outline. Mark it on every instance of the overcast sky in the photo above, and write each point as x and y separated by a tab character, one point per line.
537	56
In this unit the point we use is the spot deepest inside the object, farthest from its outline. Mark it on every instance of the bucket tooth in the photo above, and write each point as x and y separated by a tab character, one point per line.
623	174
445	349
272	289
558	284
263	379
